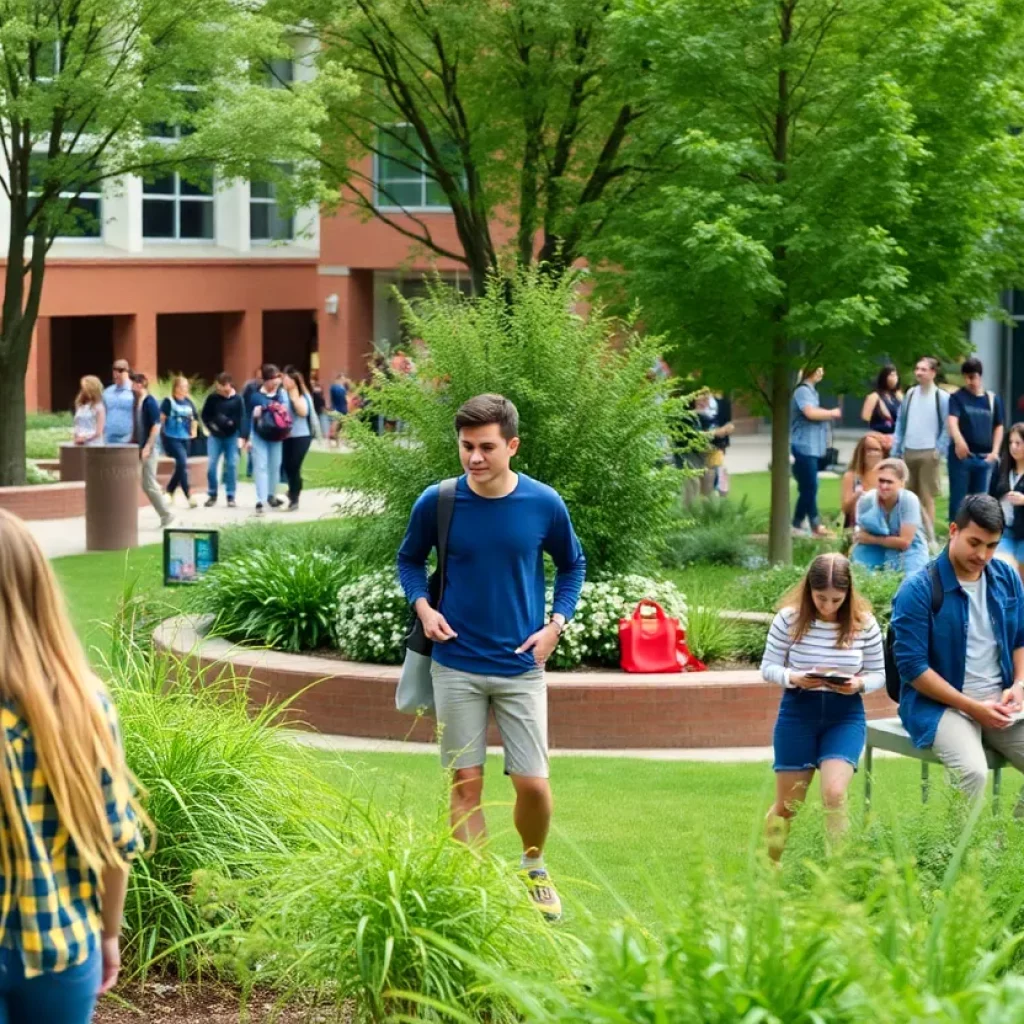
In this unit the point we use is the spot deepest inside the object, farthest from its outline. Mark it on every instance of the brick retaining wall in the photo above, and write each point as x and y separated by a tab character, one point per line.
586	710
67	500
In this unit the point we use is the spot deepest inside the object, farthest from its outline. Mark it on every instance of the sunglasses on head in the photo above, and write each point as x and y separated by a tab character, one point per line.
120	369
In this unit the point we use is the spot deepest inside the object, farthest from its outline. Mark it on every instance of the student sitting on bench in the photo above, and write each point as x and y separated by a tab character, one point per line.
962	666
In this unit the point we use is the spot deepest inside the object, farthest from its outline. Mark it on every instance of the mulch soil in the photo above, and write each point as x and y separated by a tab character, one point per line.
169	1001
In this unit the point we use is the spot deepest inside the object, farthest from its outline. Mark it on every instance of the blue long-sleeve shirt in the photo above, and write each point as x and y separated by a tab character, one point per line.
494	585
940	643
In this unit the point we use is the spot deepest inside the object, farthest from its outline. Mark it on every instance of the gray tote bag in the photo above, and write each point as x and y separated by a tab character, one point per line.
415	693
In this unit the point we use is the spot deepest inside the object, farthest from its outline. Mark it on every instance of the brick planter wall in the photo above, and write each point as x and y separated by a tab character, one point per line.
67	500
586	710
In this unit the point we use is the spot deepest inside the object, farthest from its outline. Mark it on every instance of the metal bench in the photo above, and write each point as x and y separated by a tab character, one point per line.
889	734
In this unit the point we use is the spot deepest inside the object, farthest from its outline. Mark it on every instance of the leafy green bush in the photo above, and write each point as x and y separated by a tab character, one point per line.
592	421
224	787
879	588
749	641
370	919
706	545
49	421
762	589
35	476
45	443
277	598
335	537
709	636
372	618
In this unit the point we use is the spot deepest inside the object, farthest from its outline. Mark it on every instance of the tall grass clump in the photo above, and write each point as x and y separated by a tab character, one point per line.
335	537
275	597
594	422
371	920
224	786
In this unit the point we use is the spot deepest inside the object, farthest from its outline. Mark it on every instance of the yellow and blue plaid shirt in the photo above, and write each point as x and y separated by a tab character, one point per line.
55	920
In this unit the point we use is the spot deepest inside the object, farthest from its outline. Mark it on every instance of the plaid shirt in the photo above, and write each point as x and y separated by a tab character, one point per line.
55	922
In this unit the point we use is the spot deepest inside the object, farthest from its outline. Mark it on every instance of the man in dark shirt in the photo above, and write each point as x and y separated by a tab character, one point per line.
976	426
490	636
223	416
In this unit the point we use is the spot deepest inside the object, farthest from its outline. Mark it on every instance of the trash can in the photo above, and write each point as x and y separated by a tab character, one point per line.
112	478
72	462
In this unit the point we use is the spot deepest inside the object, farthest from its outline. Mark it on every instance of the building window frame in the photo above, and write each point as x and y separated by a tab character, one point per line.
382	200
93	195
270	203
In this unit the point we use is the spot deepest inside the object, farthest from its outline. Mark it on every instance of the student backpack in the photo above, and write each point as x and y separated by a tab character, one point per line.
892	672
275	422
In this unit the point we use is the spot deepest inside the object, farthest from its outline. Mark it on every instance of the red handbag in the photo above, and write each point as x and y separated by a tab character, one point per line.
654	643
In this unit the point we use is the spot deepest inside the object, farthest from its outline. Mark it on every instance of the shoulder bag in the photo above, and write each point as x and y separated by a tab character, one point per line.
415	693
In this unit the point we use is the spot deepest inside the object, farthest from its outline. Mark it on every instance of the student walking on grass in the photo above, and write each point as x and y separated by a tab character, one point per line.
491	634
70	821
823	628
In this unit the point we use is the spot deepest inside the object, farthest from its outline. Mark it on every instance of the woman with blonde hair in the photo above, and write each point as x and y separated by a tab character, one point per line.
825	649
180	420
90	412
70	821
860	474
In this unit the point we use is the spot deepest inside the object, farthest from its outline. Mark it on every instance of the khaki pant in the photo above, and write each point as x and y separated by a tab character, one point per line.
958	745
923	480
694	486
151	487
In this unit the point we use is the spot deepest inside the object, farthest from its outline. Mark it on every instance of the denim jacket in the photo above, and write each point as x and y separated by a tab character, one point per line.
939	642
900	433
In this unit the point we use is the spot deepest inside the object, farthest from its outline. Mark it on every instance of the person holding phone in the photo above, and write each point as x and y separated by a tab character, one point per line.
825	649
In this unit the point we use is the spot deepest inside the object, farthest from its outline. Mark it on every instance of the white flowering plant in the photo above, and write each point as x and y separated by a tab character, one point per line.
592	635
373	618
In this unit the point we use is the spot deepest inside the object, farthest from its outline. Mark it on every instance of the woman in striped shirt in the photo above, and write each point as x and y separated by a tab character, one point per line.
823	627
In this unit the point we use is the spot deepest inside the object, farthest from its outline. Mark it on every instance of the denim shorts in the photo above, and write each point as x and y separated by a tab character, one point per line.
815	726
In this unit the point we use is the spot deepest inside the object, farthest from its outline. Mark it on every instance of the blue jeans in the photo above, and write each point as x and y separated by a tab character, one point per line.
805	469
68	997
266	464
177	449
815	726
215	448
966	476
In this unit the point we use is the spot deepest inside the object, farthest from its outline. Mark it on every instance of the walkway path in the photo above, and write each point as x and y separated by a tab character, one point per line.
60	537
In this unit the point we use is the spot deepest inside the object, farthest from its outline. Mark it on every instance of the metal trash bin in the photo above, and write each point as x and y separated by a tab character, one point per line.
72	462
112	479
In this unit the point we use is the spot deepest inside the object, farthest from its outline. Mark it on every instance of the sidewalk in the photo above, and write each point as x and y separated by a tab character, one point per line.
60	537
752	453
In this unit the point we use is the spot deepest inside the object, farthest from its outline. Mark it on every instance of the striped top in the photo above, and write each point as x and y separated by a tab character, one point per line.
818	649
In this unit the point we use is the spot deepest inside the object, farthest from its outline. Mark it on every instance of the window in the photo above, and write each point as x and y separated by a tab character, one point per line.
174	208
268	221
402	180
280	73
82	215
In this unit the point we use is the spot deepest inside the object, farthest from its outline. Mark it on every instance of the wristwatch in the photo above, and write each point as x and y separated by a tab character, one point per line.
558	625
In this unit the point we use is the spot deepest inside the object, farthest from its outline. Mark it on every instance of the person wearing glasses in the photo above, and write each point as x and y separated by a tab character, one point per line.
119	403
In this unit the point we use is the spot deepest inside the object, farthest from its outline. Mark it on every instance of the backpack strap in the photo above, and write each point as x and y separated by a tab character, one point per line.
445	509
938	591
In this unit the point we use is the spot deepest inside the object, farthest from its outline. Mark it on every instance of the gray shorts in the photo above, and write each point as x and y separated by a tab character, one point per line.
520	704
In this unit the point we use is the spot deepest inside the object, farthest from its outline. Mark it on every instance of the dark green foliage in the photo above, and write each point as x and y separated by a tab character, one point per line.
711	531
275	597
592	421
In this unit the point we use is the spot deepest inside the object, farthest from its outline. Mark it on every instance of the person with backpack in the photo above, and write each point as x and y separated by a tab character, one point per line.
223	414
71	819
180	420
976	426
491	634
922	436
823	627
265	431
956	650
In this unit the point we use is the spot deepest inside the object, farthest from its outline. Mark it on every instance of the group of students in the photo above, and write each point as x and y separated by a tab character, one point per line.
958	649
275	418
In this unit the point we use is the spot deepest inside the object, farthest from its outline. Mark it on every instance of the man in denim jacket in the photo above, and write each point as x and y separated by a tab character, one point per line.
962	668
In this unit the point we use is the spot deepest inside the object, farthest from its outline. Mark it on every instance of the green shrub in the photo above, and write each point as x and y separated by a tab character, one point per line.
336	537
879	588
224	787
709	636
198	389
592	422
762	589
368	920
372	618
49	421
36	476
45	443
749	641
706	545
273	597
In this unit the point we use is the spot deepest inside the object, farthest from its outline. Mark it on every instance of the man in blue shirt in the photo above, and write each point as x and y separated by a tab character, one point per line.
119	401
962	667
490	636
976	424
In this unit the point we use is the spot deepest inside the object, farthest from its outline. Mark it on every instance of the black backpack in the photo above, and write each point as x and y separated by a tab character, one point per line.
892	673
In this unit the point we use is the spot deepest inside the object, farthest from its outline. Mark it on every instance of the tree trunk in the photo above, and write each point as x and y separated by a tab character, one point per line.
780	539
12	411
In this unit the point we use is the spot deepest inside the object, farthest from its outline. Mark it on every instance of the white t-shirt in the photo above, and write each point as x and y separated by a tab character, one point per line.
1013	479
922	419
983	675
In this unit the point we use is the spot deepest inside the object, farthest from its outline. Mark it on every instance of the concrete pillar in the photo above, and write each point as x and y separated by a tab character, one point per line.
135	341
231	216
243	344
111	497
